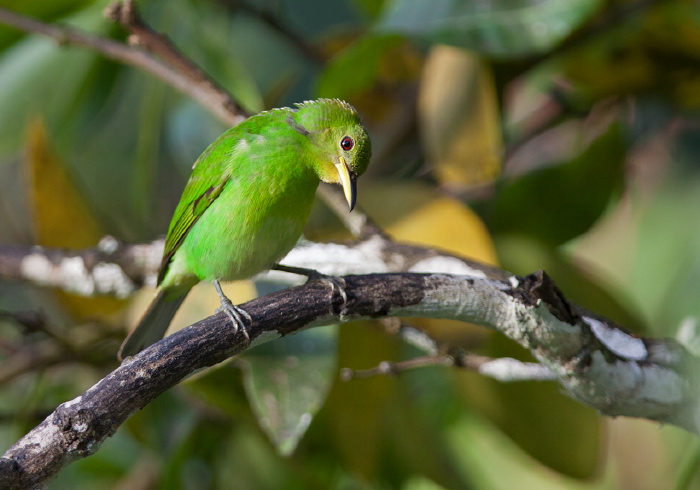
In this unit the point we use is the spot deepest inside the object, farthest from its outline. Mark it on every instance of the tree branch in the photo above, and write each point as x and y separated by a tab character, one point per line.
118	269
218	100
504	369
111	268
203	90
596	362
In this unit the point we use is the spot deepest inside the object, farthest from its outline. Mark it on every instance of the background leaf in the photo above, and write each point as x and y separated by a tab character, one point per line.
357	67
70	224
546	203
499	28
287	382
460	123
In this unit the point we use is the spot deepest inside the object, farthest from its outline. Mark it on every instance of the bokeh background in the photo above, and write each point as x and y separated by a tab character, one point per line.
535	134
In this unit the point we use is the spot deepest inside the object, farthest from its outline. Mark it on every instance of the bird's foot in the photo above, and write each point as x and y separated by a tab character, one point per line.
336	283
238	316
302	271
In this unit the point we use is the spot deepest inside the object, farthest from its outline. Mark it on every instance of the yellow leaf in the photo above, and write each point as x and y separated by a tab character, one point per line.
459	118
61	215
416	213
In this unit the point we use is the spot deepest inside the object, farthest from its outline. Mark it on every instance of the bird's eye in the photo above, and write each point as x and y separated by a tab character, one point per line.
347	143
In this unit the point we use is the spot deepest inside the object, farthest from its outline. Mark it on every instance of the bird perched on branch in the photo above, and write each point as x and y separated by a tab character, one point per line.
247	200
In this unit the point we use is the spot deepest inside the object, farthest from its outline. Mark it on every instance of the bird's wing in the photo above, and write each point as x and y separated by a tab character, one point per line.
210	174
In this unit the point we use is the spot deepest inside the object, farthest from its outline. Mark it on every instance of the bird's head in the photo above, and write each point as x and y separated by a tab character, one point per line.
340	142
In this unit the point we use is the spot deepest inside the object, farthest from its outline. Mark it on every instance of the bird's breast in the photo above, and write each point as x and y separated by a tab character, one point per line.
247	229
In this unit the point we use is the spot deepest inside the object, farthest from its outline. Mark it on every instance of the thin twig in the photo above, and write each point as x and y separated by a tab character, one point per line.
31	358
504	369
126	54
142	35
396	368
444	354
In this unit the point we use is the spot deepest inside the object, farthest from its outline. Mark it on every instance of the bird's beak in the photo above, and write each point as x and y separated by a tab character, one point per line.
348	180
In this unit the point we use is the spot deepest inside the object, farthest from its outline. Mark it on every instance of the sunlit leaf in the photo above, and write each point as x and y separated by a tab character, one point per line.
417	213
459	118
61	215
500	28
425	217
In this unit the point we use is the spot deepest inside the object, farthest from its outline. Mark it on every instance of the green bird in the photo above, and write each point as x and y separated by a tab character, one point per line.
247	200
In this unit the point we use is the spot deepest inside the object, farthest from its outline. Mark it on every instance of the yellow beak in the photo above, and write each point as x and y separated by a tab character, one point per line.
348	180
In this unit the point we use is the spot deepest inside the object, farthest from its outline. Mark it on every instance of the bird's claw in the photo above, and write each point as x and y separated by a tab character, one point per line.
312	274
238	316
336	283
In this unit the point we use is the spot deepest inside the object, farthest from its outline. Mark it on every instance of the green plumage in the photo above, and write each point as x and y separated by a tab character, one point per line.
248	198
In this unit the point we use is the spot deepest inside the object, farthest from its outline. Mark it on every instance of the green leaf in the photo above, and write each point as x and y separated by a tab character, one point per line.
488	459
499	28
32	72
287	382
558	203
546	424
423	409
221	388
665	264
356	68
371	8
45	11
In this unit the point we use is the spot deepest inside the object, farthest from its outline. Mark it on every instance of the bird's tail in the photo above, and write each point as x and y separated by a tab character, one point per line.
154	322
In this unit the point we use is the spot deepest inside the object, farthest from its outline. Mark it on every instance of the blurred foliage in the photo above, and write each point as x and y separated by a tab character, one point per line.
538	134
47	179
497	28
458	97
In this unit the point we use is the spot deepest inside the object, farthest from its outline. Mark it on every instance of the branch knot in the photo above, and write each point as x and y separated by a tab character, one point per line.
537	287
